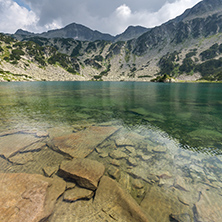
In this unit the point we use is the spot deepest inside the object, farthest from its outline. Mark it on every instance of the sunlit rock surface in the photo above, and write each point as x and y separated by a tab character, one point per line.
85	172
28	197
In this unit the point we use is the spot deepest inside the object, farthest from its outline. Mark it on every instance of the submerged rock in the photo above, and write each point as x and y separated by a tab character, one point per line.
160	204
28	197
159	149
21	158
50	170
11	144
118	154
209	208
123	142
111	198
132	161
82	143
114	172
77	193
85	172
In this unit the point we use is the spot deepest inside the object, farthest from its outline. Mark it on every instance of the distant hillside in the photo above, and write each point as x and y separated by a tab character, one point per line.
188	47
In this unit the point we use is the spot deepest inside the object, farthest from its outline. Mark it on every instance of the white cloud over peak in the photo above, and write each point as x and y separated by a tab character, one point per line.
103	15
13	16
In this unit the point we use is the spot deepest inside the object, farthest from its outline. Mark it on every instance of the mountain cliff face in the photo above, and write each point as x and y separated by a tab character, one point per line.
188	47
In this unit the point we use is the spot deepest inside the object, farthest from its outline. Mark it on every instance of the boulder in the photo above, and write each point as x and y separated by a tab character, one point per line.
113	200
82	143
11	144
85	172
28	197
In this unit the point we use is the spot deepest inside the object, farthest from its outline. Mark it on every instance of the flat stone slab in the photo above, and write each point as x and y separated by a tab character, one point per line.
28	197
85	172
115	201
82	143
209	208
11	144
161	203
21	158
77	193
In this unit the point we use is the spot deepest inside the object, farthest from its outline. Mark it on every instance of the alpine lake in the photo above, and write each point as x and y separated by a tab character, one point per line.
160	145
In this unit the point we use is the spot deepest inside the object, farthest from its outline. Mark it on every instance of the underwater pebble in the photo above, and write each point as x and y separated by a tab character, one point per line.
114	172
132	161
138	184
159	149
117	154
115	162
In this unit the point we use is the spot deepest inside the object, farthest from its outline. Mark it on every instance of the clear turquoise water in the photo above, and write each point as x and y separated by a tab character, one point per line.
176	131
189	113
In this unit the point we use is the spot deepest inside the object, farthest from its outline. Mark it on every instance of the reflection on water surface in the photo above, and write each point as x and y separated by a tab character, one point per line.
163	142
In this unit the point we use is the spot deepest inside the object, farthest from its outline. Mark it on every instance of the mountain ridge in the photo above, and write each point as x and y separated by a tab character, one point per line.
83	33
188	47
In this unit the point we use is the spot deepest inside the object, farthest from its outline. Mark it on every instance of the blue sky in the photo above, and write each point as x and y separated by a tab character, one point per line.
108	16
22	3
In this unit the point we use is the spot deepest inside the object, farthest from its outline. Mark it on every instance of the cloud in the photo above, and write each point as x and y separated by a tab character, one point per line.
103	15
125	16
13	16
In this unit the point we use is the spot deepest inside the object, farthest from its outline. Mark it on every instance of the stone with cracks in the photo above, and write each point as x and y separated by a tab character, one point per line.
113	200
28	197
85	172
11	144
82	143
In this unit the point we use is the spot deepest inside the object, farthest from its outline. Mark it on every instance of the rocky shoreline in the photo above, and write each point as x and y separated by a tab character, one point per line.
105	173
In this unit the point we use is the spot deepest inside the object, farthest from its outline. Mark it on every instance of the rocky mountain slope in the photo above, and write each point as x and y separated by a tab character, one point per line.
188	47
